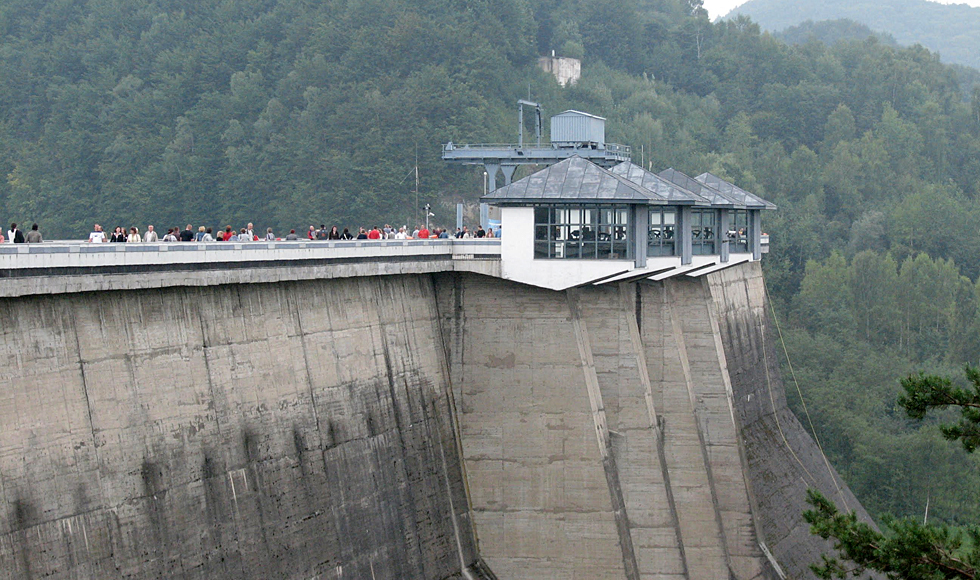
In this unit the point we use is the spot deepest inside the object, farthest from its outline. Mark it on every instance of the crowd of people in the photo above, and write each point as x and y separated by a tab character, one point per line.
248	234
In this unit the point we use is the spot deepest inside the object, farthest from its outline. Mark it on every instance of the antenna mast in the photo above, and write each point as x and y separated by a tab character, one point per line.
416	186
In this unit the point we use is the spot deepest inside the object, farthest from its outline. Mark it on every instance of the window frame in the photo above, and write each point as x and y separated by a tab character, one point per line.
741	232
704	243
583	232
663	243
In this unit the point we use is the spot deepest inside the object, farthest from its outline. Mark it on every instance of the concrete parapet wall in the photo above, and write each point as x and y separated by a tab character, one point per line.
64	268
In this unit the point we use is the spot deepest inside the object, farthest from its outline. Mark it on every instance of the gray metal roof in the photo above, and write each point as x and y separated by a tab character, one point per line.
673	193
715	197
578	113
573	180
751	200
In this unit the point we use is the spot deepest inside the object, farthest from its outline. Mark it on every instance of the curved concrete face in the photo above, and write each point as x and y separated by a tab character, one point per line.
411	427
620	431
245	431
783	460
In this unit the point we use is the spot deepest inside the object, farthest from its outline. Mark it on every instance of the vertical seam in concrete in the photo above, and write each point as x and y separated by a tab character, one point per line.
91	423
714	321
452	509
641	363
689	381
205	347
306	362
602	436
714	299
398	424
455	426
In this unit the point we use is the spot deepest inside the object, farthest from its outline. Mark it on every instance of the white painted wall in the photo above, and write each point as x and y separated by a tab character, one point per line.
518	263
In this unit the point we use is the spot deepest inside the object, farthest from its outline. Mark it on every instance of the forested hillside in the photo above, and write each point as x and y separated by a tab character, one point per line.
953	30
831	32
289	112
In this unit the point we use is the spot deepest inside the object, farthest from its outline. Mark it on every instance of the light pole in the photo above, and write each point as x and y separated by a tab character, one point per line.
427	214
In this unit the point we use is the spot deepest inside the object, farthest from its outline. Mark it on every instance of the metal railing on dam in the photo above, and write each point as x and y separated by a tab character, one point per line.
60	267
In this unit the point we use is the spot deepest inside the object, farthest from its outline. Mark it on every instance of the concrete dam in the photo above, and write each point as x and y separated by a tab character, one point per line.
391	411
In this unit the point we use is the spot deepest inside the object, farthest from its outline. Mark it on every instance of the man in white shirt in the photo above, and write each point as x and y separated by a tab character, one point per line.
97	235
151	236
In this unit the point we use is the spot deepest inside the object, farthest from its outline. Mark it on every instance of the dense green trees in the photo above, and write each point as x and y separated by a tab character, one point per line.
908	549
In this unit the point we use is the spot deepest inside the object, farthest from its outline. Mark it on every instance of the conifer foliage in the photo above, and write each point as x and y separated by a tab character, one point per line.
908	550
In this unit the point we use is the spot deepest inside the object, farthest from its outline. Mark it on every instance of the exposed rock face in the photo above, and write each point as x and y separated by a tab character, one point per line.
402	427
566	70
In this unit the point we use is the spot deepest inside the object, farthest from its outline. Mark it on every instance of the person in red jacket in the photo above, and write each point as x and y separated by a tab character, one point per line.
423	233
374	234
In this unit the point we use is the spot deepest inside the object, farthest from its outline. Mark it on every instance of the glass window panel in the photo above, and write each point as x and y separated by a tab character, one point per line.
581	232
541	215
541	249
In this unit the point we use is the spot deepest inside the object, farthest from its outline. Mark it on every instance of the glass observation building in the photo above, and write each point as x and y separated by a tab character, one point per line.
577	211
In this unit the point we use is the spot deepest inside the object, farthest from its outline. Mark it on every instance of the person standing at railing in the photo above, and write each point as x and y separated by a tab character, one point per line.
134	235
97	235
34	236
15	235
151	236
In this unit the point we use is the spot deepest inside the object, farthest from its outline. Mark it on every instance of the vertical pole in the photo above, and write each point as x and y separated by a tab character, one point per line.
459	216
520	125
640	218
416	185
755	217
491	180
724	225
538	124
687	251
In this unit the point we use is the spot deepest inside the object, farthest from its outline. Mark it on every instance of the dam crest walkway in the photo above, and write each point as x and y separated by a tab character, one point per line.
67	267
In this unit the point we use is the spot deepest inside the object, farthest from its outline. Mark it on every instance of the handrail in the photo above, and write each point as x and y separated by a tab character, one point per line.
612	147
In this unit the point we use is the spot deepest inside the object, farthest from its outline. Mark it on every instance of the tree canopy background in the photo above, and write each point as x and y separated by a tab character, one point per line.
291	112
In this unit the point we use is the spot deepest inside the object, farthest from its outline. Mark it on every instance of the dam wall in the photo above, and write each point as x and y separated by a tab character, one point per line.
259	431
310	421
783	460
